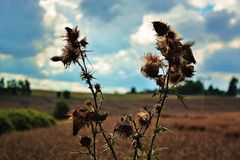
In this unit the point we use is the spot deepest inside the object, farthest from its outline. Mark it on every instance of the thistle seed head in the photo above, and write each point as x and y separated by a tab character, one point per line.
188	70
160	80
72	36
83	42
187	52
69	55
151	66
97	87
81	117
123	128
161	28
85	141
143	118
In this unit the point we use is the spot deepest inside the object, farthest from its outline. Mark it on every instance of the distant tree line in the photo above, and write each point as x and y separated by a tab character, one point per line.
14	87
197	88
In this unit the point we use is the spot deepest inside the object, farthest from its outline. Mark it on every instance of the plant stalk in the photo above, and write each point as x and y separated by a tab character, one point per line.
149	157
107	141
88	81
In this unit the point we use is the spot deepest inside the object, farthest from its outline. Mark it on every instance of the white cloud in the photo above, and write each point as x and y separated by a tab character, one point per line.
55	19
235	43
145	34
4	56
119	90
46	83
193	24
232	6
206	51
117	63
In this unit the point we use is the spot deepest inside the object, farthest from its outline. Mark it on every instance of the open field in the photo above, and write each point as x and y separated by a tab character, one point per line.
118	104
210	131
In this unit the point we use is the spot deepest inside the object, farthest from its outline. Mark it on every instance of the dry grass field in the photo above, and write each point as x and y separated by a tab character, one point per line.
210	131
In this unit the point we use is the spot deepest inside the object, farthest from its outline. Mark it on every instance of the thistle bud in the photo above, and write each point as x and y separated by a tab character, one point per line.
85	141
160	80
188	70
56	58
88	103
100	117
123	128
83	42
143	118
160	27
97	86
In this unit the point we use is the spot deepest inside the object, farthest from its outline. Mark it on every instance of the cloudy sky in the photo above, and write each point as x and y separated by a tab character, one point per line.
119	33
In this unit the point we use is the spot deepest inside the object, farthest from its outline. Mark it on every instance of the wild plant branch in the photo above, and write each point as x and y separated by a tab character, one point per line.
96	108
159	110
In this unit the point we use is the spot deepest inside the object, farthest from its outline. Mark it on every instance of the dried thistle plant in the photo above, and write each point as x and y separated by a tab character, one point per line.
90	115
174	63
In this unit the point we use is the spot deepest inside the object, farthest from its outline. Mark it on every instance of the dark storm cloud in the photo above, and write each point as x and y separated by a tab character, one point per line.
20	26
219	23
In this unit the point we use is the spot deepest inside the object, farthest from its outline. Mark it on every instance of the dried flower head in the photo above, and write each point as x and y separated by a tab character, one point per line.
143	118
69	55
151	58
160	80
81	117
83	42
150	70
124	128
187	52
100	116
151	66
88	103
172	34
188	70
97	87
72	50
175	75
85	141
56	58
161	28
72	36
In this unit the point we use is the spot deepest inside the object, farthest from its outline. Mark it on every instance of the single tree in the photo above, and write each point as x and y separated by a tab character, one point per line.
27	87
133	90
2	86
232	89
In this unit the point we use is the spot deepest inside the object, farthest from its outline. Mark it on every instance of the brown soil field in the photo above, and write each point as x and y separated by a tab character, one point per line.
210	131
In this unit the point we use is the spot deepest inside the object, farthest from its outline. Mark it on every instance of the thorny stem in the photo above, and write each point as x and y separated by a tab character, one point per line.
159	114
135	154
94	129
90	152
88	81
94	141
137	141
108	143
150	119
